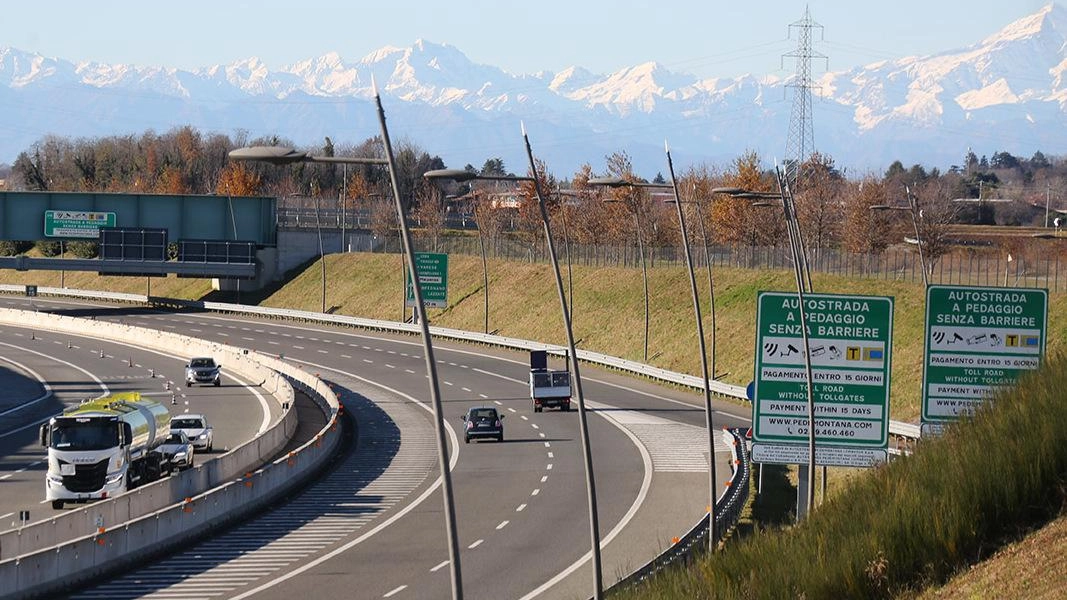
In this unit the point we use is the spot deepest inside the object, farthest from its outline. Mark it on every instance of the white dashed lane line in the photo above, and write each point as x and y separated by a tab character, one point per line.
520	508
502	525
475	544
395	591
439	567
535	492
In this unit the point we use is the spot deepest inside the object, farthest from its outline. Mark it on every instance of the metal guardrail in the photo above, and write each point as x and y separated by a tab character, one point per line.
727	514
897	428
130	267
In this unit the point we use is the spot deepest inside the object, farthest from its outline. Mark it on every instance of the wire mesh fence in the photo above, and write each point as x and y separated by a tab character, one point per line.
1031	269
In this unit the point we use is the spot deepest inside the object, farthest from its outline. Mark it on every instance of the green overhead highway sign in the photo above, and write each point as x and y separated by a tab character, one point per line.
978	339
432	269
849	340
76	223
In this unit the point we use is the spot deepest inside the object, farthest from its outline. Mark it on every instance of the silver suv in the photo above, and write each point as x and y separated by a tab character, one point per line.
202	370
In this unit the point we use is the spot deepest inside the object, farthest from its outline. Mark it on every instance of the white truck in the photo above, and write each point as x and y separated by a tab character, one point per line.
104	447
547	387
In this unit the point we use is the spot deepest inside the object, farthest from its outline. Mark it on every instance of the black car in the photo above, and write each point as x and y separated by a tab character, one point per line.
483	422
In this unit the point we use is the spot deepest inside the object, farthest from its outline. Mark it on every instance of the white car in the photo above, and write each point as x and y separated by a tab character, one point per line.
178	450
196	428
203	370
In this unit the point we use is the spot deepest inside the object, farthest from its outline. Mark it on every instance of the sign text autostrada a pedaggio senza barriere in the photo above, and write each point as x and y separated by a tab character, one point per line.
850	343
978	339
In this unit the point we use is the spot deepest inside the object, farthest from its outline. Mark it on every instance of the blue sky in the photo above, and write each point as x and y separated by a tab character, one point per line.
708	38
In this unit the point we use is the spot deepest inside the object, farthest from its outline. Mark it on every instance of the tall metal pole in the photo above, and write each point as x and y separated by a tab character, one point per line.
567	251
1048	194
344	203
485	271
644	272
431	364
590	484
798	271
711	287
712	524
322	255
913	208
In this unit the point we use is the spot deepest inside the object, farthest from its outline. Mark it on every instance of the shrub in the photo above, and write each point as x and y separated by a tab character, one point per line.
47	247
13	247
84	248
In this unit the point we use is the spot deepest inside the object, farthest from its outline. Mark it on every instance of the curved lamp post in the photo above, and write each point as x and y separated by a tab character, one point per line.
460	175
913	209
281	156
640	250
783	198
615	182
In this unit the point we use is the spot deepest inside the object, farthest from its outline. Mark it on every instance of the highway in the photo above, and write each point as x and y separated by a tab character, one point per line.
42	372
373	527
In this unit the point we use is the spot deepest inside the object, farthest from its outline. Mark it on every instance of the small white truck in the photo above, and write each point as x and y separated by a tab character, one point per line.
547	387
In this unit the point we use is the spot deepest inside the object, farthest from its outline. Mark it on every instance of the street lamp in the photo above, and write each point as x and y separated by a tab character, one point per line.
280	156
916	215
640	250
785	200
460	175
673	185
711	282
485	265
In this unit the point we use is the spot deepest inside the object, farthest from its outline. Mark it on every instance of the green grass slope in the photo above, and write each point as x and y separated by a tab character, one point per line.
608	310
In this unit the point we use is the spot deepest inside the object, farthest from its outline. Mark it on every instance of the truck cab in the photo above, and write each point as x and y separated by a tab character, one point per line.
551	388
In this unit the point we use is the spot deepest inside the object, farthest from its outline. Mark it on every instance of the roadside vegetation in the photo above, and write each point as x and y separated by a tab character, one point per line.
917	521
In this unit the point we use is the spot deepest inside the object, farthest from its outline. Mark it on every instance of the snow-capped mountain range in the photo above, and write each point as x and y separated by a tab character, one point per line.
1007	92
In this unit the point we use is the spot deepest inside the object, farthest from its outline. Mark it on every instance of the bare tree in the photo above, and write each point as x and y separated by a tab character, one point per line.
819	204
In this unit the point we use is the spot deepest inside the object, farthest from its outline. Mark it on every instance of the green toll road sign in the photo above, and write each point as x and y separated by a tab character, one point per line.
76	223
432	268
849	345
978	339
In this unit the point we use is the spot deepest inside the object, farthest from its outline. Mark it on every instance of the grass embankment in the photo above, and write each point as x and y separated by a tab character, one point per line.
608	308
916	521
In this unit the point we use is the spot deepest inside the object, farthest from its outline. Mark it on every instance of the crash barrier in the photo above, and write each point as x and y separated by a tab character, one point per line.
727	514
896	428
907	431
48	555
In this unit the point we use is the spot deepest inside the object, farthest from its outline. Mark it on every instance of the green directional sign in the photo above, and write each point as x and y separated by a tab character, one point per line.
76	223
978	339
432	268
849	341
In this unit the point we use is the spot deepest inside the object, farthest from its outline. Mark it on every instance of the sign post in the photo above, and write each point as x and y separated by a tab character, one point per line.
850	340
978	339
432	269
76	223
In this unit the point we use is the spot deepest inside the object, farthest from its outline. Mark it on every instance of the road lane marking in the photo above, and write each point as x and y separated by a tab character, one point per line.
395	591
439	567
520	508
475	544
502	525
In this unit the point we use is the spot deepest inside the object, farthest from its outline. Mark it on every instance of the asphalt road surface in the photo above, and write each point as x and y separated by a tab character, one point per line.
374	528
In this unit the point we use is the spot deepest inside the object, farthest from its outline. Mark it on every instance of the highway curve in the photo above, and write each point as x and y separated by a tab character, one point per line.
373	528
42	372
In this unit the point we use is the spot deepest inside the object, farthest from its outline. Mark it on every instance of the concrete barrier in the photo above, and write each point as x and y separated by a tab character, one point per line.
47	556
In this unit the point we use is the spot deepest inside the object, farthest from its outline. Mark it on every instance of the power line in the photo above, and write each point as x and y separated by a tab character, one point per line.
800	142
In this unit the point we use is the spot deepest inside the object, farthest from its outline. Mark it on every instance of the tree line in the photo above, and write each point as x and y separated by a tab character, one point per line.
833	206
